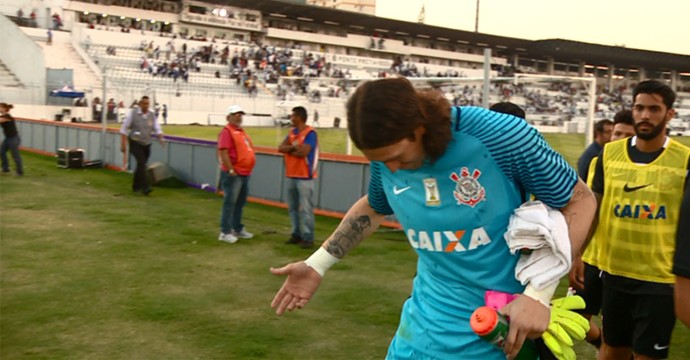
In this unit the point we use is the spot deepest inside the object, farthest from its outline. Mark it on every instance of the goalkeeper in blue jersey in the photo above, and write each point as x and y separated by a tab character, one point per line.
452	176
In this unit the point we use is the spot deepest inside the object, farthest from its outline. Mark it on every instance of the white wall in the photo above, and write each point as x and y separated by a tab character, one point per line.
25	59
47	112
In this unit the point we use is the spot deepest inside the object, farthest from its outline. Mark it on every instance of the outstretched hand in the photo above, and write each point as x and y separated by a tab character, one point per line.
300	285
528	320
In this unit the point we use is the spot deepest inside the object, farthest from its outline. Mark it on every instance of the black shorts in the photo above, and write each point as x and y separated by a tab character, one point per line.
592	292
638	321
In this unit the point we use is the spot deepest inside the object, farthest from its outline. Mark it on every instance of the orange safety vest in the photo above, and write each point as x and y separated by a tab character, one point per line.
246	159
297	167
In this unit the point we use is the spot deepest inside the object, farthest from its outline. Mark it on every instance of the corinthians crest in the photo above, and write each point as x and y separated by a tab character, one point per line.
468	190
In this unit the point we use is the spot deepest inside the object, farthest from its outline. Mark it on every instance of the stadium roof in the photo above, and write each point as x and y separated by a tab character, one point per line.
567	50
370	23
561	50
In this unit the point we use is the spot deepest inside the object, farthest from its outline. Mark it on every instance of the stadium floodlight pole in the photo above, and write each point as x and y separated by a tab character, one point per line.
487	78
476	19
104	113
589	130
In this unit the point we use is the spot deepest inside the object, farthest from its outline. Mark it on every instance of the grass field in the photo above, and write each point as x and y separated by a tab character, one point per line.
90	271
334	140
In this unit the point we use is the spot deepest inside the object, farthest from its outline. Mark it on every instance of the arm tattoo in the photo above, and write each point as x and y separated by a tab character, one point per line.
348	235
579	191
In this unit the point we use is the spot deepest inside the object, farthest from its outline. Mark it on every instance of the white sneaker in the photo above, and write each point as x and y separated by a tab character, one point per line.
228	238
244	234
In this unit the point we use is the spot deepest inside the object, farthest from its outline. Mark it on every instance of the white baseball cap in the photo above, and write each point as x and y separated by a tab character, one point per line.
235	109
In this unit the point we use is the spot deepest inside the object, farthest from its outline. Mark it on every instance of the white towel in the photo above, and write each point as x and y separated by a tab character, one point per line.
543	230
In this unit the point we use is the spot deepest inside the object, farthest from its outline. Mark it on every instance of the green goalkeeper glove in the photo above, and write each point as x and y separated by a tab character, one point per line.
565	326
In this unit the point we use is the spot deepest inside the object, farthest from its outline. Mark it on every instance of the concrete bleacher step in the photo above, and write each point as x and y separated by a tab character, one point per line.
262	87
61	55
7	78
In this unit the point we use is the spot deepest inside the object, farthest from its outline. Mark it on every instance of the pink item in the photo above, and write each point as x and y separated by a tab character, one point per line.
498	299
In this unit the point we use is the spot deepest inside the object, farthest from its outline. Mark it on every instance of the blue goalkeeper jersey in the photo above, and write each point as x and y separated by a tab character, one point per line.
454	212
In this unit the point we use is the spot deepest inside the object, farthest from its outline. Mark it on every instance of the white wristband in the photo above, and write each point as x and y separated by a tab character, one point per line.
321	260
544	295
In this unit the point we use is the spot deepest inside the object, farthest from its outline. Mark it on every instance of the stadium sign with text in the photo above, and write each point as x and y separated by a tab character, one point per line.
220	21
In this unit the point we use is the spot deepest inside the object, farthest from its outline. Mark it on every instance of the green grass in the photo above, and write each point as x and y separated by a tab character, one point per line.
90	271
334	140
331	140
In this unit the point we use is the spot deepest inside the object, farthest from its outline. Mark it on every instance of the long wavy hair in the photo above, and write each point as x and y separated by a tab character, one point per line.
384	112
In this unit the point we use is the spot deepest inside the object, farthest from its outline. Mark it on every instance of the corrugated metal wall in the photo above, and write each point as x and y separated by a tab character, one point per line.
339	185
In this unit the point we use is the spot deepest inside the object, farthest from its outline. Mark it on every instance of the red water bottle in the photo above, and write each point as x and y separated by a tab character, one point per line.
492	326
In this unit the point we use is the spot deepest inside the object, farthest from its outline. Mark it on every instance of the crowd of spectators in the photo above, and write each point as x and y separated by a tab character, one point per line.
563	99
28	21
248	64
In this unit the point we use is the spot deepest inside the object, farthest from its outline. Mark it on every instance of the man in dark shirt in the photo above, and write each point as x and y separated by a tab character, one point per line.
602	135
11	141
641	220
681	265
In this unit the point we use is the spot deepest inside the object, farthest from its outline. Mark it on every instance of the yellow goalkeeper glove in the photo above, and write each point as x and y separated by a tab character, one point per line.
565	326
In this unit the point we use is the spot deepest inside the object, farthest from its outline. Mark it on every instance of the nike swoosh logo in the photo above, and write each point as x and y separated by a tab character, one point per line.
657	347
627	188
397	191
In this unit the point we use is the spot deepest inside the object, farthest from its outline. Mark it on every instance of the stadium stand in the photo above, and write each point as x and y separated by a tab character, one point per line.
262	53
7	78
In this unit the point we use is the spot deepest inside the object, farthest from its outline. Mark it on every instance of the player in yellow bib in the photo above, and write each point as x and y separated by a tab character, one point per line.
637	182
585	278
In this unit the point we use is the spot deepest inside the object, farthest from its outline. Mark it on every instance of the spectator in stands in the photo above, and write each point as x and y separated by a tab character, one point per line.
602	135
79	102
301	153
585	278
97	109
110	108
11	141
507	107
57	22
237	159
20	13
121	111
139	127
434	167
643	256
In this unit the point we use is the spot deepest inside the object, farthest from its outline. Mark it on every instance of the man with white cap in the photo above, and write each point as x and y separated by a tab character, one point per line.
237	159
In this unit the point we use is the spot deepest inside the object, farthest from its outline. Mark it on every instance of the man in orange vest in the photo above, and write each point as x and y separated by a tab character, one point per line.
237	159
301	153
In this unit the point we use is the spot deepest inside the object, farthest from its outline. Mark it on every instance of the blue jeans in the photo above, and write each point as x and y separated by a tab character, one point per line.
11	144
300	199
235	190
